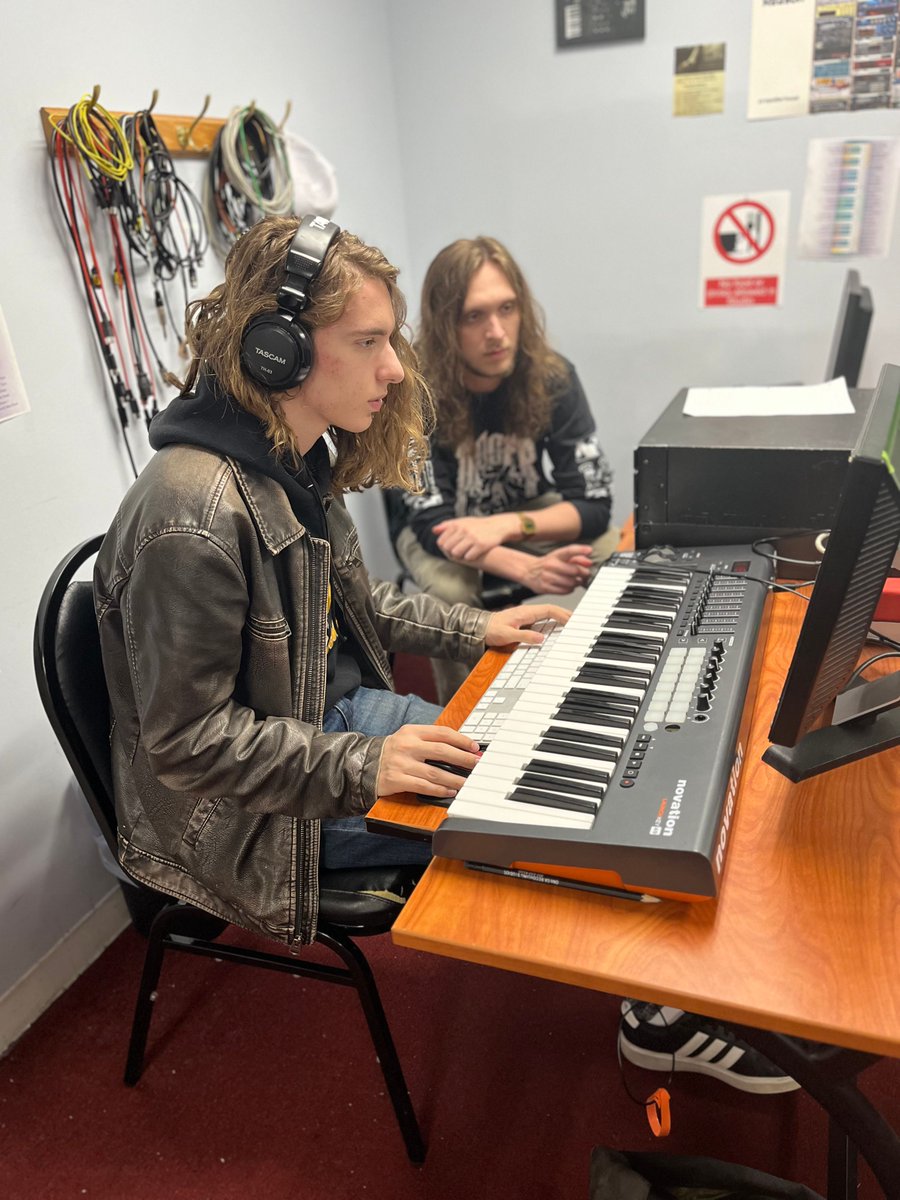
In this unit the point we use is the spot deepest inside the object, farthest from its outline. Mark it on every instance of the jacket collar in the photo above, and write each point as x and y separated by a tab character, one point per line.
269	508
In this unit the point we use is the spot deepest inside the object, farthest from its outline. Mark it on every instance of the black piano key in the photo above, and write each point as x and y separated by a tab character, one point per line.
621	707
550	800
640	621
465	772
531	779
613	676
584	736
652	574
590	718
538	766
626	641
621	654
631	600
576	750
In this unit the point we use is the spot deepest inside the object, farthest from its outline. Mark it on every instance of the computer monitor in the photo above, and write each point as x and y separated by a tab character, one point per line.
849	342
858	558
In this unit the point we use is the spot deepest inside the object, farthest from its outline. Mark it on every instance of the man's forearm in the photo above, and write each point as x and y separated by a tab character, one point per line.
560	522
503	561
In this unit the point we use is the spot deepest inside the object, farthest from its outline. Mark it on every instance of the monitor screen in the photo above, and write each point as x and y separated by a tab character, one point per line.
849	342
858	558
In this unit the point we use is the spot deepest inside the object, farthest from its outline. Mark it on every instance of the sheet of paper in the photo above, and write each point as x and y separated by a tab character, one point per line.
850	197
699	80
13	401
792	401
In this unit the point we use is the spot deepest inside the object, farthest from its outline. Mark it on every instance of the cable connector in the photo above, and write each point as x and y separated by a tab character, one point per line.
121	395
160	308
144	386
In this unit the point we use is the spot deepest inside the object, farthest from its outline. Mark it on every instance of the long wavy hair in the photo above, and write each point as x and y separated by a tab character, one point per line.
392	451
538	369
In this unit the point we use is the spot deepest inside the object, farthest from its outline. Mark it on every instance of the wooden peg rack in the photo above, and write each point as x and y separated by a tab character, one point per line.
172	130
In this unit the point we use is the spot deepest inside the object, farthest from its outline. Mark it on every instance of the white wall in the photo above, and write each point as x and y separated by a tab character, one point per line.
443	120
572	158
62	468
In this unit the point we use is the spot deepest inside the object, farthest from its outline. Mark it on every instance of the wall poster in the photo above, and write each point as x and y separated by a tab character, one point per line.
850	197
807	56
590	22
13	400
699	80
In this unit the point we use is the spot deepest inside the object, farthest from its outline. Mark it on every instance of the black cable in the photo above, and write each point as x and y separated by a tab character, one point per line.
874	659
777	558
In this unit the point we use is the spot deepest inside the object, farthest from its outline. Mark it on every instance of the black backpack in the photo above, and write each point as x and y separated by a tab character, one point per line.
616	1176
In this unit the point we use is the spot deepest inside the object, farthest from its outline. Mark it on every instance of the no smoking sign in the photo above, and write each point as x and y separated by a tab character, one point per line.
743	249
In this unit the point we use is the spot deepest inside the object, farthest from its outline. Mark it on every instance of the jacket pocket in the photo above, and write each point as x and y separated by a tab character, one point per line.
203	810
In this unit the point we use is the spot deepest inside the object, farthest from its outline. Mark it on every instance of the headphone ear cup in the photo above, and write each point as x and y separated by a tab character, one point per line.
276	351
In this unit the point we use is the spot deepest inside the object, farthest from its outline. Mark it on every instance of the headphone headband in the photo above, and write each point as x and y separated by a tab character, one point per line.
304	260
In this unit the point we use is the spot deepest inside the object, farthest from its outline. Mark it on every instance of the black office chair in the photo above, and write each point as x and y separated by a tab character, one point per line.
73	689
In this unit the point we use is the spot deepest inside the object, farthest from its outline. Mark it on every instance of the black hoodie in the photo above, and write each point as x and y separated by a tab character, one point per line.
209	418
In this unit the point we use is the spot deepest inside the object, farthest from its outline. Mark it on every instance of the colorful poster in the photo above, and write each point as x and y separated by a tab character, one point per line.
812	57
699	80
743	243
590	22
850	197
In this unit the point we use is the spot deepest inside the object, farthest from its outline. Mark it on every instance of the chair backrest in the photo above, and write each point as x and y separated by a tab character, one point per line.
69	670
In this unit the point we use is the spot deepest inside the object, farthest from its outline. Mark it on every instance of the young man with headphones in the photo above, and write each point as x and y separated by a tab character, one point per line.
506	401
244	644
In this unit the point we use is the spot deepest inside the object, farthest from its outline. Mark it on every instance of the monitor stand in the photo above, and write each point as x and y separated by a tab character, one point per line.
866	720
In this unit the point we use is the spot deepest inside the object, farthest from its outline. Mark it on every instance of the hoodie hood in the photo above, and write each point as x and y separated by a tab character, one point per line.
211	419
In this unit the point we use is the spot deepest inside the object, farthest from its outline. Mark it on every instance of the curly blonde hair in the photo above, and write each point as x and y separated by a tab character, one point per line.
538	369
392	451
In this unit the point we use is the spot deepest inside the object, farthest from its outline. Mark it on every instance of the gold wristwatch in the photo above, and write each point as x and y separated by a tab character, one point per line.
527	525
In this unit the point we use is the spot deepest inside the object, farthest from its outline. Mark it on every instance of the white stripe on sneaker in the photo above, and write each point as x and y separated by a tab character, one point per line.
713	1047
731	1059
693	1046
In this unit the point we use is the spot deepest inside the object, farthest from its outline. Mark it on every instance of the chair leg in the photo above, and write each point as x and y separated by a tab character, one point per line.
364	982
143	1009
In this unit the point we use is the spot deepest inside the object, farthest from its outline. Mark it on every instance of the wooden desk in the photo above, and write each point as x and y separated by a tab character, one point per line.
804	938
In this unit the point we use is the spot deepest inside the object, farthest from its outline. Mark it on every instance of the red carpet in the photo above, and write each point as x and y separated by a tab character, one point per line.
264	1086
259	1085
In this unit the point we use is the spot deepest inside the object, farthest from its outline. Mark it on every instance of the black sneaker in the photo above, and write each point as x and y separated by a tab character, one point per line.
668	1039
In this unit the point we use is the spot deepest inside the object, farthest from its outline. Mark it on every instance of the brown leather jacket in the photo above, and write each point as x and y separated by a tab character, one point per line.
211	602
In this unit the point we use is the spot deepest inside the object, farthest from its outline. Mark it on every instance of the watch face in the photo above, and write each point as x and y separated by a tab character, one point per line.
528	525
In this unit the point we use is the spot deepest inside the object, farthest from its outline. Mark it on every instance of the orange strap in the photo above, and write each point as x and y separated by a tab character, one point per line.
659	1116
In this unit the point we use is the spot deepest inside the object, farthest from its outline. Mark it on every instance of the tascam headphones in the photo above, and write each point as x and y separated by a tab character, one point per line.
276	349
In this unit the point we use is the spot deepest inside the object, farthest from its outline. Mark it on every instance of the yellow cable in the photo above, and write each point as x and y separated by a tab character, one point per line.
114	160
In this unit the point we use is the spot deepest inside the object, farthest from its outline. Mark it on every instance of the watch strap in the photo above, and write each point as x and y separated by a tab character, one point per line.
527	525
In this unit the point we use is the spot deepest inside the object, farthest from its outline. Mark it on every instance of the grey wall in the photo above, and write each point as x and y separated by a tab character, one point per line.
573	159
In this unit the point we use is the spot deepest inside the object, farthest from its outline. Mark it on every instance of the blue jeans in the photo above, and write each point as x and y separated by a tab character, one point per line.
345	840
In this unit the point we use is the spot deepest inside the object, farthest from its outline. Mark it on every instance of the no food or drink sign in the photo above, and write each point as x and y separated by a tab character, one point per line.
743	245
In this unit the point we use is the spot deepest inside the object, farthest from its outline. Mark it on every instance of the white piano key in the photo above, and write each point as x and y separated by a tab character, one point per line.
479	806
